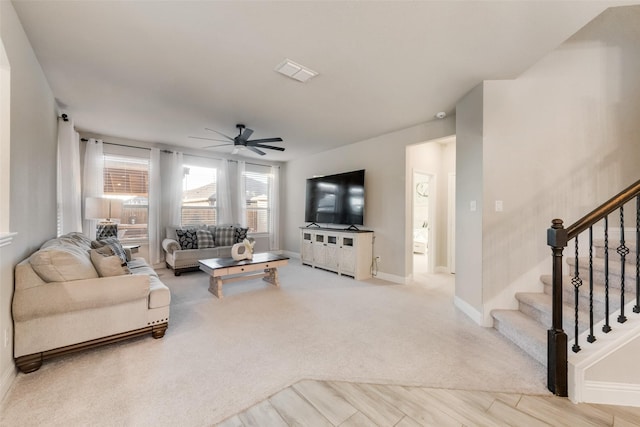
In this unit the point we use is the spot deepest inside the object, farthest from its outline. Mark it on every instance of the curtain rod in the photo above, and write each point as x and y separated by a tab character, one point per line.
186	154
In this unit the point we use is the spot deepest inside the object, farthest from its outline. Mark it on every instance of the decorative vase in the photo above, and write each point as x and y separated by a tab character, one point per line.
239	252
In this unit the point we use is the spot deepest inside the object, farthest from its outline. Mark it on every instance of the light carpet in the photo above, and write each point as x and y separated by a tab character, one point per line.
221	356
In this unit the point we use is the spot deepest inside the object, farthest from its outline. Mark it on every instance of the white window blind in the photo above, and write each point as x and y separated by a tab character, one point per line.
127	178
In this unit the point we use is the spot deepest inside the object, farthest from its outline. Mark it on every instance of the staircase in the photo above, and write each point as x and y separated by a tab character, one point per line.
527	327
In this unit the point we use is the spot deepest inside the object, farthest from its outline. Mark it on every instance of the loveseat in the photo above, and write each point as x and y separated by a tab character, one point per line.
185	246
73	294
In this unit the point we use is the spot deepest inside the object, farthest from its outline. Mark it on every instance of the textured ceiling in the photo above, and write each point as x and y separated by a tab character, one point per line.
160	71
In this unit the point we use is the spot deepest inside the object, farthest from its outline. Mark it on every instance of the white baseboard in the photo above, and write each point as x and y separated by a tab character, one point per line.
469	310
611	393
295	255
392	278
8	376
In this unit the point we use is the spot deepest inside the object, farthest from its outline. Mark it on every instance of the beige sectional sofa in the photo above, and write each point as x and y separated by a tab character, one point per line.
69	296
182	258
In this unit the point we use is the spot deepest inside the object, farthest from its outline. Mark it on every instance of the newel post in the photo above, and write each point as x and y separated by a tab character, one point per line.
556	337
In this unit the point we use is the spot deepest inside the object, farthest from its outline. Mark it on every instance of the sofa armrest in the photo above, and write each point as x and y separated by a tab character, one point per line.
64	297
170	245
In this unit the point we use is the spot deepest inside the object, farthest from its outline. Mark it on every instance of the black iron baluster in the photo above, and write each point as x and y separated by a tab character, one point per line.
623	251
606	328
636	308
591	337
576	281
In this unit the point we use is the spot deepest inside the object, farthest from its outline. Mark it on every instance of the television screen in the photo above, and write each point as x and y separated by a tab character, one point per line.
336	199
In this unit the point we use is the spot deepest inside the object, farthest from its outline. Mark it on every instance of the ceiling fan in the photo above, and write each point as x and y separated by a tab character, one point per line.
243	141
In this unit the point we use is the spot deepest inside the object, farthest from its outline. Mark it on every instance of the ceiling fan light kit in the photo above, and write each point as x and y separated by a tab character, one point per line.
243	141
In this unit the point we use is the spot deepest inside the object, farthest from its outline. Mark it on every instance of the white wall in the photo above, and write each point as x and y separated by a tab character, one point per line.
556	142
386	208
33	169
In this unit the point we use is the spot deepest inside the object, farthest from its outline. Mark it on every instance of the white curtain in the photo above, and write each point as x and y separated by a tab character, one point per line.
69	189
155	194
242	196
176	175
225	214
93	180
274	203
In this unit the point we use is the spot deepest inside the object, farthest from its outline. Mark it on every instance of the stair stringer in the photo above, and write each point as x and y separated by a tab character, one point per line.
603	392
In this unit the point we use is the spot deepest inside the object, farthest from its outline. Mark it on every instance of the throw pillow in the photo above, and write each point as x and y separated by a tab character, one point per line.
107	263
188	238
225	236
240	234
205	239
117	248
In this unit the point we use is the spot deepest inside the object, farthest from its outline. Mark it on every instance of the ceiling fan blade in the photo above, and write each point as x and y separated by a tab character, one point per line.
255	150
270	147
208	139
219	133
259	141
219	145
246	134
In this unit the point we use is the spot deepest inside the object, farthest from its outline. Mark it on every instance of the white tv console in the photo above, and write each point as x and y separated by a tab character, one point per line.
347	252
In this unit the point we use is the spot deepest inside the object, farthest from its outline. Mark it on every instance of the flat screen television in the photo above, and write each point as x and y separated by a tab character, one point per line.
336	199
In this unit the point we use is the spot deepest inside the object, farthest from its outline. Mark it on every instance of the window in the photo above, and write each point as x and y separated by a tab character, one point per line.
257	180
199	190
127	178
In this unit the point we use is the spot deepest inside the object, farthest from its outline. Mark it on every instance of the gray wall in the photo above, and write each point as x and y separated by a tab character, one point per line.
33	168
386	208
556	142
469	176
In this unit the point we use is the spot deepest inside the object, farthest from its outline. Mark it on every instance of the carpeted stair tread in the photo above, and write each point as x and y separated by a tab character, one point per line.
537	305
598	295
523	331
614	242
598	272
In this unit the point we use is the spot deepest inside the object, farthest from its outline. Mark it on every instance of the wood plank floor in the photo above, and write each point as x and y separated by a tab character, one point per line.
333	403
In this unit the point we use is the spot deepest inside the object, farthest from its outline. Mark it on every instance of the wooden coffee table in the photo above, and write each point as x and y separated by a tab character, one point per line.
226	270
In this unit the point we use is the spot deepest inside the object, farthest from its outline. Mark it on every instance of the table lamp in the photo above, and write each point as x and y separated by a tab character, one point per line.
103	208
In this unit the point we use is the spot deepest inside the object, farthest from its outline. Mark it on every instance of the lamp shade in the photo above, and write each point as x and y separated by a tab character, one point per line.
102	208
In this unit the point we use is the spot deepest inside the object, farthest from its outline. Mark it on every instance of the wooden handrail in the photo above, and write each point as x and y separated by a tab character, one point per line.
557	238
603	210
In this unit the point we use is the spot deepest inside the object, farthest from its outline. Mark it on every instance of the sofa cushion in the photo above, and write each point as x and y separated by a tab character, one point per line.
64	297
240	234
205	239
187	238
107	263
225	235
62	263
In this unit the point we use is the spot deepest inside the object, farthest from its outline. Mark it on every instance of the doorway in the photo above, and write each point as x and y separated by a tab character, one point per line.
430	195
422	227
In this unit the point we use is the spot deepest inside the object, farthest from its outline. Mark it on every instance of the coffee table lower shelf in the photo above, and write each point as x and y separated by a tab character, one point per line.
227	270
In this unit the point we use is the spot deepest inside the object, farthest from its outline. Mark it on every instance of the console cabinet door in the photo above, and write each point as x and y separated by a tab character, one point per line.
307	248
332	254
319	249
347	256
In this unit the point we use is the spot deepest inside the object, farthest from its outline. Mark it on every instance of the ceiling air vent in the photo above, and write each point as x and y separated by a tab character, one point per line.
295	71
